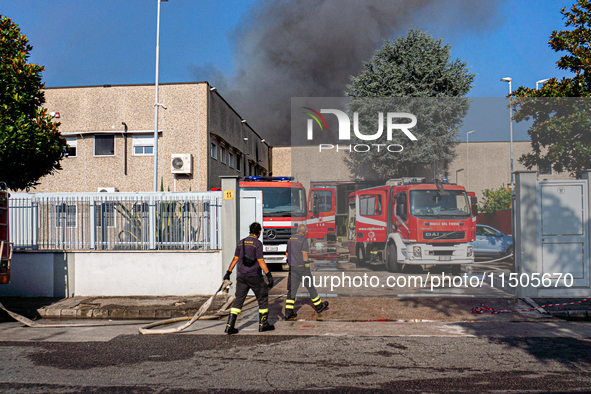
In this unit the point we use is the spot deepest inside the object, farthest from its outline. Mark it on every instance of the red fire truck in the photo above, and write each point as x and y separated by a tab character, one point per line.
328	207
409	221
5	245
284	207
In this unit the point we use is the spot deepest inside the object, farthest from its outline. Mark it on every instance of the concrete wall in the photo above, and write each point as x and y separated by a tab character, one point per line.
490	165
59	274
37	274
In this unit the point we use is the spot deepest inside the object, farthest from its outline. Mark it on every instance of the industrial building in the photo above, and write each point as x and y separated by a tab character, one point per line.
110	135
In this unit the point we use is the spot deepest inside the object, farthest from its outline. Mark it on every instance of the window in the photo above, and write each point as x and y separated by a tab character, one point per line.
104	145
231	159
143	145
105	214
249	168
214	150
323	199
72	145
486	231
238	161
370	205
65	215
432	203
223	154
543	170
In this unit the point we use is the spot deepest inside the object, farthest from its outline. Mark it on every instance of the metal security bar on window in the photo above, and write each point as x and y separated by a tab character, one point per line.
116	221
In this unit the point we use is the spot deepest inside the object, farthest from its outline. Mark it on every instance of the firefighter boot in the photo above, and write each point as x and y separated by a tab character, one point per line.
320	305
263	323
289	312
231	322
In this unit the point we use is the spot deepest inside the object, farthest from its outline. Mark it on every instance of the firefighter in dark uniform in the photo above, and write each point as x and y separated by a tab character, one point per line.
299	266
249	258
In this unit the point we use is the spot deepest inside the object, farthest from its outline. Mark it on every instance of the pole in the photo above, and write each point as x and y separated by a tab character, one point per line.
511	136
156	104
468	160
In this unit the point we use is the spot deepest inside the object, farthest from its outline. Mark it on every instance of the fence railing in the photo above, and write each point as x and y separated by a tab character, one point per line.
116	221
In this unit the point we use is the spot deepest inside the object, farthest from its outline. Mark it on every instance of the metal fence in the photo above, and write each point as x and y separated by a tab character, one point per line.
116	221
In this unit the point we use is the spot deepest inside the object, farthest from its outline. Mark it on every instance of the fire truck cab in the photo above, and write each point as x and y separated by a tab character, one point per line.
409	221
284	208
5	244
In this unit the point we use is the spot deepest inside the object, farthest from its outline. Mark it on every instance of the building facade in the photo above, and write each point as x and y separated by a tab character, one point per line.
110	134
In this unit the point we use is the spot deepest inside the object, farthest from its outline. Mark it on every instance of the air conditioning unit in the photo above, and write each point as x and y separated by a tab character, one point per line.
107	190
181	163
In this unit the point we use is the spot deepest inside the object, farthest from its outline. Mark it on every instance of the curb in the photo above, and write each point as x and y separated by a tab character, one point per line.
584	314
534	304
114	314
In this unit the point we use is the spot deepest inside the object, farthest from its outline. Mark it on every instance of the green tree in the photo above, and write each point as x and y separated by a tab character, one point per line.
417	76
495	200
560	133
30	143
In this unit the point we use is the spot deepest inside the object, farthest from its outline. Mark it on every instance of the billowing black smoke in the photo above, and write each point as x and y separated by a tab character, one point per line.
309	48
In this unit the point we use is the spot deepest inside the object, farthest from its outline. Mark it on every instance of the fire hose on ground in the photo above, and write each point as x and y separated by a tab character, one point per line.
147	329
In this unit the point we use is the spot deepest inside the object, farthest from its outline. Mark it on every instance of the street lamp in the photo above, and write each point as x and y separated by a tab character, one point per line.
541	81
460	170
507	79
467	161
156	103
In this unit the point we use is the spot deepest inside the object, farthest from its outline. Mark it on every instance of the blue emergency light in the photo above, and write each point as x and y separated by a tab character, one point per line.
268	178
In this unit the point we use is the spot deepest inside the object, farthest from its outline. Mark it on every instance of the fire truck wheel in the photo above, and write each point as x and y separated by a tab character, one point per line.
393	265
360	256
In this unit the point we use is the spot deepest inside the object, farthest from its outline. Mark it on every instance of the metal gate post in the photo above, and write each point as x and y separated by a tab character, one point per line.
230	220
34	207
152	223
92	230
526	228
587	220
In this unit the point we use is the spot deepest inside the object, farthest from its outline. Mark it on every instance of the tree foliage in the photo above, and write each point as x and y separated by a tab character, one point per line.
30	143
560	133
417	76
495	200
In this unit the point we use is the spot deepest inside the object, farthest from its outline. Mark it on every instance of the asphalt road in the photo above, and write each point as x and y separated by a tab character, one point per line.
323	357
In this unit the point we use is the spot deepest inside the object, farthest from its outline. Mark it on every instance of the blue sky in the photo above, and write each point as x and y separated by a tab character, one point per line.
83	42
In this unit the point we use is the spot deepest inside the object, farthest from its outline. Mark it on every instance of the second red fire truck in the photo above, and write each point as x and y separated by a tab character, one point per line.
409	221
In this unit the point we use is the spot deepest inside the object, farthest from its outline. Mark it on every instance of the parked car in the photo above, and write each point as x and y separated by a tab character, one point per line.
491	243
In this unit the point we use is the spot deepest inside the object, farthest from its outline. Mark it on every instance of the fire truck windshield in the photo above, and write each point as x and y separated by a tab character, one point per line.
431	203
283	201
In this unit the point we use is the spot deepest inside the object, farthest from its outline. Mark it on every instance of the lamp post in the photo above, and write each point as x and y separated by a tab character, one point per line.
460	170
541	81
156	103
507	79
468	160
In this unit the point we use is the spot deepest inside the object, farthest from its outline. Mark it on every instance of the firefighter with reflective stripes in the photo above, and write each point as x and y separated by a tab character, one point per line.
299	266
251	265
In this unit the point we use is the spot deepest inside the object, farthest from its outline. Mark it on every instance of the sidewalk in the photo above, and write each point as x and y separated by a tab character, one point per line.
342	309
362	308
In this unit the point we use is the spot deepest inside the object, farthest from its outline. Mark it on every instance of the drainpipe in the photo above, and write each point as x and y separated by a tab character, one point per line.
124	148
